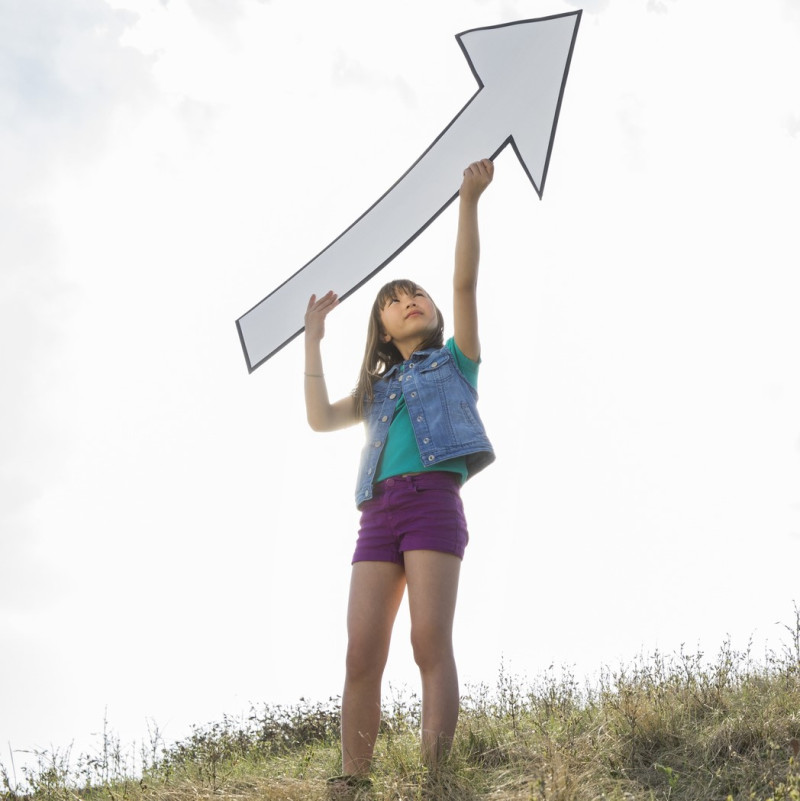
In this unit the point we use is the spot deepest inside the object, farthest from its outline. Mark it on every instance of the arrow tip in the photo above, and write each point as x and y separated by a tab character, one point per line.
522	66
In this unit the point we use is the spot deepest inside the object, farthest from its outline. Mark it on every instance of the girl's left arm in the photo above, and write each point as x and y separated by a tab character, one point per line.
468	250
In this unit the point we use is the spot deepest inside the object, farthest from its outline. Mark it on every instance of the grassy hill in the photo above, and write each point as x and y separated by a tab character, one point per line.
680	727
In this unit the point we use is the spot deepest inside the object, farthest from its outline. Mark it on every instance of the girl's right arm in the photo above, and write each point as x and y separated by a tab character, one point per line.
321	413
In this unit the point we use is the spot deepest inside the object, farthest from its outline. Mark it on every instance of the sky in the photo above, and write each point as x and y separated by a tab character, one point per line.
175	541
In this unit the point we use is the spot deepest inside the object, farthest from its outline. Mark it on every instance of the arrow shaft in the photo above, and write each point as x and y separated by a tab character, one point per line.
371	242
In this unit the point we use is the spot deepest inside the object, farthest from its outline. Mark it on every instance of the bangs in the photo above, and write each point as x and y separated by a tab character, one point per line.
388	291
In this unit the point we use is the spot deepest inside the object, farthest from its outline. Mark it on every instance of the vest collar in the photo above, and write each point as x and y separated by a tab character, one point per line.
416	356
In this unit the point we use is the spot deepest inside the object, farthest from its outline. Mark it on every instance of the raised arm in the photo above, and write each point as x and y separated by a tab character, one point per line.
468	251
321	413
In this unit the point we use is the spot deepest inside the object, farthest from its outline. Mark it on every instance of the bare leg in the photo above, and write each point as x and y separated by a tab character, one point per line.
432	589
376	589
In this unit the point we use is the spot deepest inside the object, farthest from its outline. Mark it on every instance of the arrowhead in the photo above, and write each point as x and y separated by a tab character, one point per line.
522	70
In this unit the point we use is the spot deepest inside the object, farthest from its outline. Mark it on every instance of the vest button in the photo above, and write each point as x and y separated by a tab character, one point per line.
393	396
431	458
435	364
384	419
426	440
377	443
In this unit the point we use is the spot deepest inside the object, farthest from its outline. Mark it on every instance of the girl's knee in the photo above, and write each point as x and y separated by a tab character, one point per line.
363	661
431	647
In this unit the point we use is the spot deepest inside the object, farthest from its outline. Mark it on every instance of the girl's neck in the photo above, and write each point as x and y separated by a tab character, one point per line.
406	351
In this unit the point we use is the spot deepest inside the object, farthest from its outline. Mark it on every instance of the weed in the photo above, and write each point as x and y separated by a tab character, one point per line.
681	727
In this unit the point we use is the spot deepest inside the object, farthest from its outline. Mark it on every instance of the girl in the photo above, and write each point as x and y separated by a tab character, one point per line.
416	396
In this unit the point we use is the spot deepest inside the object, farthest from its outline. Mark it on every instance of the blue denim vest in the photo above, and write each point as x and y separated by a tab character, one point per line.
443	409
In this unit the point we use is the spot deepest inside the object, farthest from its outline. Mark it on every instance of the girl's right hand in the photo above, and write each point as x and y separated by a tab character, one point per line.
316	313
476	178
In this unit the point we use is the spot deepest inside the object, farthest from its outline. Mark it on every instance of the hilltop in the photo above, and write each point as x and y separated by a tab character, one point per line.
681	727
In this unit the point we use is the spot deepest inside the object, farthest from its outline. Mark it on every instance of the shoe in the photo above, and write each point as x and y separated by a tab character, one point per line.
349	782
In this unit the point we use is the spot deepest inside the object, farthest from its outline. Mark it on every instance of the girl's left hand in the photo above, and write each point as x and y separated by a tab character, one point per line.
477	177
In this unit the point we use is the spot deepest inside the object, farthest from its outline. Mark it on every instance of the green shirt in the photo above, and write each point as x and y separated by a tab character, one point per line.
400	453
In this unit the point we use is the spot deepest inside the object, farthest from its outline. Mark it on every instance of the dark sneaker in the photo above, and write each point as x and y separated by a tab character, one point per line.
341	786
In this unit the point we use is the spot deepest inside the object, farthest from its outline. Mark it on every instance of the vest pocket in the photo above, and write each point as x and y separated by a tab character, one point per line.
441	370
469	417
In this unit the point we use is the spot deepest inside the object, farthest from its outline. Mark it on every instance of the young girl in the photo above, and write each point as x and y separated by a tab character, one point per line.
416	396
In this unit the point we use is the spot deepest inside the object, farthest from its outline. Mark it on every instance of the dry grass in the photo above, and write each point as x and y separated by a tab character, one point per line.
681	728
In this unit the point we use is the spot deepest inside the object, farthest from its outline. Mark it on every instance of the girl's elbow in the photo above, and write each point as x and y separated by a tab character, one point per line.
330	417
316	423
466	284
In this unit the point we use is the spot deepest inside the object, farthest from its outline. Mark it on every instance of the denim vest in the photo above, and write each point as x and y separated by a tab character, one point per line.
443	409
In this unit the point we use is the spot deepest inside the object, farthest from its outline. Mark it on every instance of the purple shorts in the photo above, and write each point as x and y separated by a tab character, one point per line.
421	512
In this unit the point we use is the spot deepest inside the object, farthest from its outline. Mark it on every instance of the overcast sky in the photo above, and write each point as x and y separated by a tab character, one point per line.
175	542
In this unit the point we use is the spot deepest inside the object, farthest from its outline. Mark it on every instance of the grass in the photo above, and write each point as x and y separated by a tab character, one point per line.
681	727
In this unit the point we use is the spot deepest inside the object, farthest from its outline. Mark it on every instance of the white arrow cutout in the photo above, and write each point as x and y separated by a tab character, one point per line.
521	68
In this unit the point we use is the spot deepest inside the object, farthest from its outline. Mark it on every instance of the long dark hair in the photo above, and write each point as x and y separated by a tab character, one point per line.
380	356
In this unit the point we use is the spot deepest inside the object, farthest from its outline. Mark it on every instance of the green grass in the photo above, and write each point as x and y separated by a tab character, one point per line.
681	727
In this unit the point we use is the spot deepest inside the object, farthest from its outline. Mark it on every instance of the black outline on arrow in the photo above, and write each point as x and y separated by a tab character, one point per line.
507	141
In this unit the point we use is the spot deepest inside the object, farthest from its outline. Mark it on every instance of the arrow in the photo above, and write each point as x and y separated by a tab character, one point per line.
521	69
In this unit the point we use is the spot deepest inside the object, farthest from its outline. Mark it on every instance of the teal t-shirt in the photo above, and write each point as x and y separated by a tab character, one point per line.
400	453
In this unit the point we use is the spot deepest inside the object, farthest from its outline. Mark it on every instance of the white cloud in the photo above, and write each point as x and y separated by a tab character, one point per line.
590	6
630	117
658	6
64	70
791	123
349	72
792	10
63	77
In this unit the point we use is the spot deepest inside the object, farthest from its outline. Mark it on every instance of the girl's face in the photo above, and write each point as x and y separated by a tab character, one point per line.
408	319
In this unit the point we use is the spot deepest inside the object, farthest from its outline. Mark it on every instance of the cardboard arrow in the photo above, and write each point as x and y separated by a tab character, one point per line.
521	69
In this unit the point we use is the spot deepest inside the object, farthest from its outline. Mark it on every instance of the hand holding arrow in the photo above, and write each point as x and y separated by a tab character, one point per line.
521	68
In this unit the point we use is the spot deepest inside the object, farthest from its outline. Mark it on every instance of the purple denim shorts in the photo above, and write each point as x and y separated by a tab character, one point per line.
420	512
